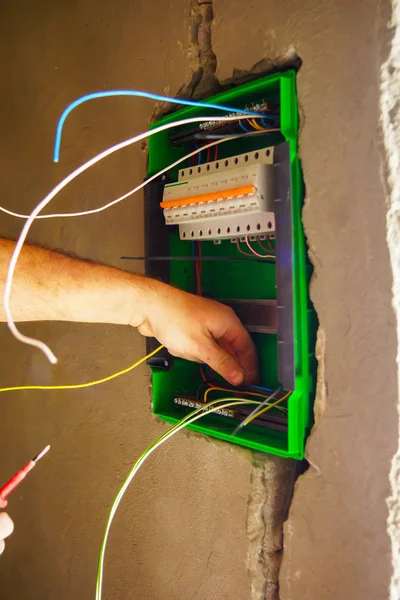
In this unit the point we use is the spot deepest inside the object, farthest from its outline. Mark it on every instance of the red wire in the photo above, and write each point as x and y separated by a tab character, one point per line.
270	249
198	275
240	250
270	243
208	154
203	374
216	153
199	269
200	256
255	252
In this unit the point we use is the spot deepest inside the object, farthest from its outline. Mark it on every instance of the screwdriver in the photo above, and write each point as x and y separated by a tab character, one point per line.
19	476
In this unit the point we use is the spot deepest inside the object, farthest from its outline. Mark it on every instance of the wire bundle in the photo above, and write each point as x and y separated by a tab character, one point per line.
264	403
188	420
254	252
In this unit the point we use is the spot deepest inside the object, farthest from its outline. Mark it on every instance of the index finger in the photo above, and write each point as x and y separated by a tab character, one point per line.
242	345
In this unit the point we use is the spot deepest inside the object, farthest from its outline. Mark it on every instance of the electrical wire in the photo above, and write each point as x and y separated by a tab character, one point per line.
140	94
255	125
242	126
240	249
43	203
274	119
203	375
266	408
214	388
260	388
204	135
270	249
78	386
188	420
251	416
252	258
199	268
132	191
207	375
255	252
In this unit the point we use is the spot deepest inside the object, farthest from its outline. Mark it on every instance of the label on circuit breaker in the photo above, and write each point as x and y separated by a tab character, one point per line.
189	403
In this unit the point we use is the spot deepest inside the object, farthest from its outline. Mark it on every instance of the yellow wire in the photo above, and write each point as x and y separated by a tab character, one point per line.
77	386
237	392
221	389
268	407
254	123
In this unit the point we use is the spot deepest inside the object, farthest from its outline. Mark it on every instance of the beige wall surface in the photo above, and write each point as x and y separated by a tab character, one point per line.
203	520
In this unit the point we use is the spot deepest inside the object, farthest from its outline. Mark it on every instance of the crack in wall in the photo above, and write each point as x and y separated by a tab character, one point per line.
390	119
272	478
201	58
271	490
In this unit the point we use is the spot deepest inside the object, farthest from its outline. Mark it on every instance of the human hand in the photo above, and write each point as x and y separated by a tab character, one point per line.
6	529
200	330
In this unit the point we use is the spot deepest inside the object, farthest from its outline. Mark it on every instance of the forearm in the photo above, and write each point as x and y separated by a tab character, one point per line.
48	286
52	287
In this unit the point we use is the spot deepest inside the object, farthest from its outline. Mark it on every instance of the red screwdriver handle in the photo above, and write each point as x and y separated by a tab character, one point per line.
13	482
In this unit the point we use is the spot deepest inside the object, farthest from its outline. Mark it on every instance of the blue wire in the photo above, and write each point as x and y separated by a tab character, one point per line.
141	94
275	119
244	128
256	388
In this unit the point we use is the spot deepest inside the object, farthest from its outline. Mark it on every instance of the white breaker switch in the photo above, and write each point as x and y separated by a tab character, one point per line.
223	199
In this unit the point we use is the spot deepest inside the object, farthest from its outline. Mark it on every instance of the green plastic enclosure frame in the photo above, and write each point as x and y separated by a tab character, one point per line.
250	281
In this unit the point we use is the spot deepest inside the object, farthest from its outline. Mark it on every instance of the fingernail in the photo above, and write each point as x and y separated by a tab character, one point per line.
236	377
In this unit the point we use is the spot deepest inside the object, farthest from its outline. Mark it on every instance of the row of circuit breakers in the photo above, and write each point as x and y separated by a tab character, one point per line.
223	199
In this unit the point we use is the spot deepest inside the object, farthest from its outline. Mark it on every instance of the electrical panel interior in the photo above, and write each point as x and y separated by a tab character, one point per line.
228	222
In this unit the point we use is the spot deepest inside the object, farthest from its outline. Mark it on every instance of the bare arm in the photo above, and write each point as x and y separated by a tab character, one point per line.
51	287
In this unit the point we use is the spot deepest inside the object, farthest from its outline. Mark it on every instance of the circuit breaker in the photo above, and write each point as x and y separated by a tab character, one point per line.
226	224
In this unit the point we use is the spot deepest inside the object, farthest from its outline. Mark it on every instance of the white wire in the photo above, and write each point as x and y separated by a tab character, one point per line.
20	242
191	418
124	196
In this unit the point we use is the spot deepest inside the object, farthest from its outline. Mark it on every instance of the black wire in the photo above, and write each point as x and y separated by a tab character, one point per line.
217	136
212	258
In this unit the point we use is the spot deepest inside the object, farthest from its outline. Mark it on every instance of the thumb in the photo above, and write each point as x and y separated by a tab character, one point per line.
222	362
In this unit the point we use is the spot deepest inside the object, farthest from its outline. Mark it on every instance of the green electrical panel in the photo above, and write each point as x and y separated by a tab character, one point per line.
271	295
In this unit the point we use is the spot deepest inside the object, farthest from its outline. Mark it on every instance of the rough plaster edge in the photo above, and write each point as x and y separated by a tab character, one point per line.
390	120
271	489
256	529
